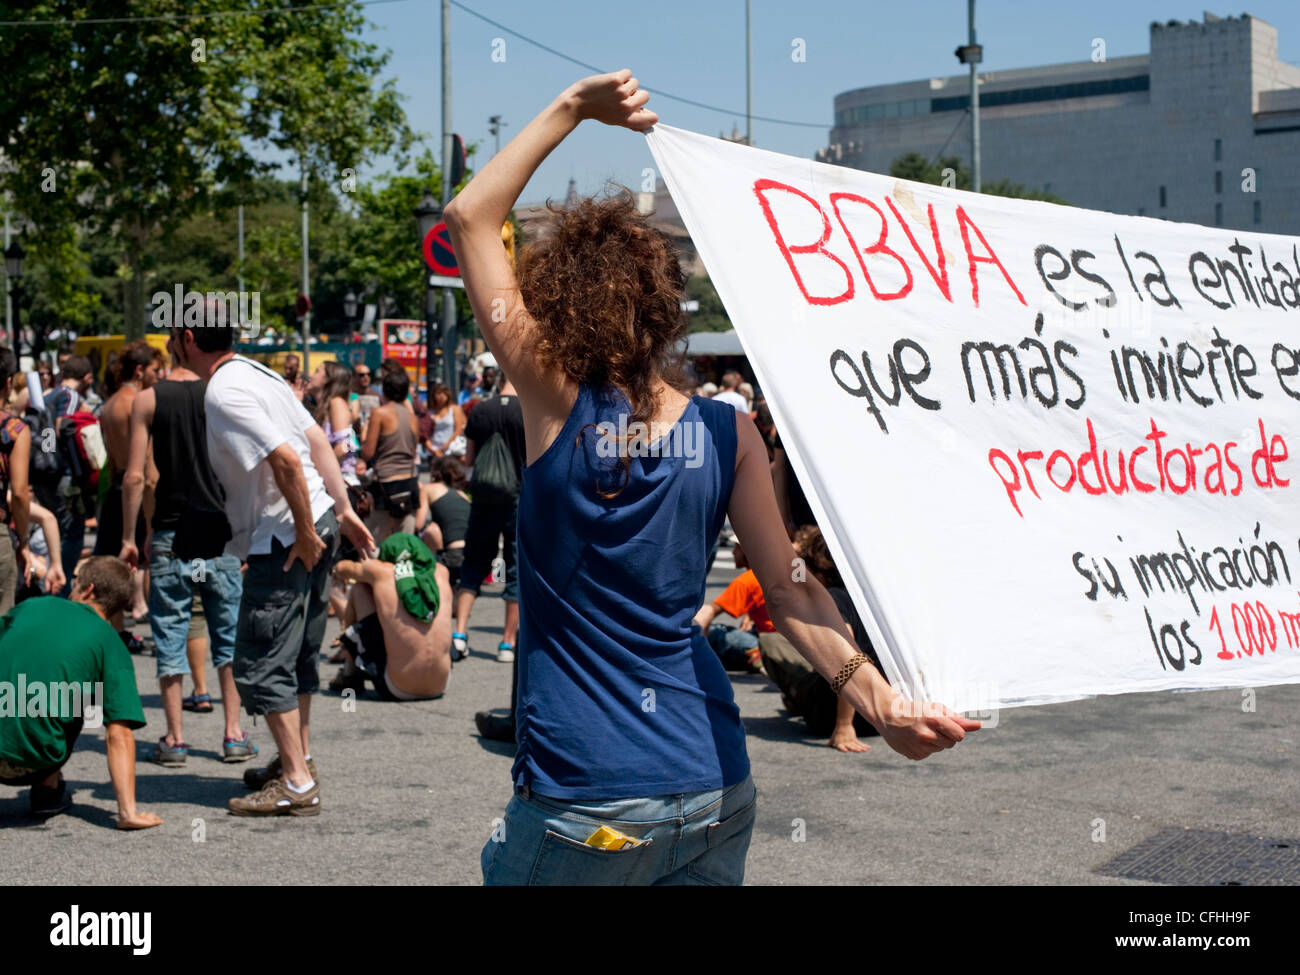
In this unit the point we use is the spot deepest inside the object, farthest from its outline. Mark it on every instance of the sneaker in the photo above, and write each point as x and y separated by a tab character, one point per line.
49	802
459	646
257	778
132	642
496	725
505	653
277	799
238	749
169	756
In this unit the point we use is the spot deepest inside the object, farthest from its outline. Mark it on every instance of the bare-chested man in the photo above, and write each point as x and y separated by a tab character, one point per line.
139	368
407	658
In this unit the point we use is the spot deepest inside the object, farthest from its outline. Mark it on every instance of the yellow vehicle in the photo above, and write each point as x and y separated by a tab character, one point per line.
99	349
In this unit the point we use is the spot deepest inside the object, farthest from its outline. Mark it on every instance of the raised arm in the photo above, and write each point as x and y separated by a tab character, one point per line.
805	614
475	216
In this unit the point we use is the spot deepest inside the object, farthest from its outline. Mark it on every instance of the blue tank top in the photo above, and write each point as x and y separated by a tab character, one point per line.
619	694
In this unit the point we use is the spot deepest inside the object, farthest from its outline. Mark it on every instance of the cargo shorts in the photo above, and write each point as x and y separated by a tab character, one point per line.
282	618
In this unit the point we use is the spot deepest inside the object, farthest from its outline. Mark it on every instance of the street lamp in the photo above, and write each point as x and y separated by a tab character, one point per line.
350	311
427	216
14	257
494	127
972	53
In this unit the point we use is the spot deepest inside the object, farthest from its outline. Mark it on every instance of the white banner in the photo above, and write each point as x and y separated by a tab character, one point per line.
1051	448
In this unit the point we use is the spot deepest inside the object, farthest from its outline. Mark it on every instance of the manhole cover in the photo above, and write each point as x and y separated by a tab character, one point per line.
1194	857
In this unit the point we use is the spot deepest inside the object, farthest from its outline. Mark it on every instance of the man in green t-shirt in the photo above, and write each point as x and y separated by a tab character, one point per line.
63	666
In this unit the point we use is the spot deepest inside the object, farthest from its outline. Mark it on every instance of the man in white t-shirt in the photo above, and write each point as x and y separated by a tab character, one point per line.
730	384
287	503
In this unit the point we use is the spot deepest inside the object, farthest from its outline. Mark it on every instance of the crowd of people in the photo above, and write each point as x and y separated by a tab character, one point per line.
234	508
249	504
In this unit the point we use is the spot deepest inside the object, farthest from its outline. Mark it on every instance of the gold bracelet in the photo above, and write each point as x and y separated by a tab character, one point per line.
847	671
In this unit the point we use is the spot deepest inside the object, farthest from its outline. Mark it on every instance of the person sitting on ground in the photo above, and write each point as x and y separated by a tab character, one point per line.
89	655
401	637
443	518
737	646
804	692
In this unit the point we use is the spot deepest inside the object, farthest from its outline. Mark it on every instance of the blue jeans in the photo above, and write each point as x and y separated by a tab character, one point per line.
730	643
696	838
172	585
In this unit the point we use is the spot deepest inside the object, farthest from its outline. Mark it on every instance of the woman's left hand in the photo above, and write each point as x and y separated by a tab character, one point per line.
615	99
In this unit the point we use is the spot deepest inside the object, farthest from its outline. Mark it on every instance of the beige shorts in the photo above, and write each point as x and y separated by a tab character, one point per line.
198	622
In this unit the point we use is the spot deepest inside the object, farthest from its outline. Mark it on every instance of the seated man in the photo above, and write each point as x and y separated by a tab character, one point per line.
805	692
737	647
401	637
60	680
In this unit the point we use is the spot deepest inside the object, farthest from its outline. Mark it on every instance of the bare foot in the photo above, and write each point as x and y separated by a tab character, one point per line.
138	820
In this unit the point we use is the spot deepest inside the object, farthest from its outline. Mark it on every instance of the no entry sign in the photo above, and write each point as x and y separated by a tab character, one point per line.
438	254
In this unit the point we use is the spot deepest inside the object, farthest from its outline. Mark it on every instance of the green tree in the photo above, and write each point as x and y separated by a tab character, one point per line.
125	130
711	316
917	168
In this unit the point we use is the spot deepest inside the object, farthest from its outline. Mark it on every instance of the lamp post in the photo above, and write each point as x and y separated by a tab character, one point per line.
972	53
15	255
427	216
494	128
350	311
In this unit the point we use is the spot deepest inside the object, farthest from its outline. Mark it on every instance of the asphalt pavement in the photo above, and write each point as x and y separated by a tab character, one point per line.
409	791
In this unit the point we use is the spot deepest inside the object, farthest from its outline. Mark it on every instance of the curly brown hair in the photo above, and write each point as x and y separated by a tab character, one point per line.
605	288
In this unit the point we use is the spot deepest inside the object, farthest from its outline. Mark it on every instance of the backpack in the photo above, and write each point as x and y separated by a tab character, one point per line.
495	479
71	445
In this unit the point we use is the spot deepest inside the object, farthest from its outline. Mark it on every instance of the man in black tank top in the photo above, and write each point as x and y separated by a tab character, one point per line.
170	415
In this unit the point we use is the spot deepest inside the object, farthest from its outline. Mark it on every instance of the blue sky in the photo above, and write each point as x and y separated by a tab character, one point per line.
695	49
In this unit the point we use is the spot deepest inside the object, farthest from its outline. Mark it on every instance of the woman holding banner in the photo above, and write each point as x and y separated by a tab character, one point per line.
631	763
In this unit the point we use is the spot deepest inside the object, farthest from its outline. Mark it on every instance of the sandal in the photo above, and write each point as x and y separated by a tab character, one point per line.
201	703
